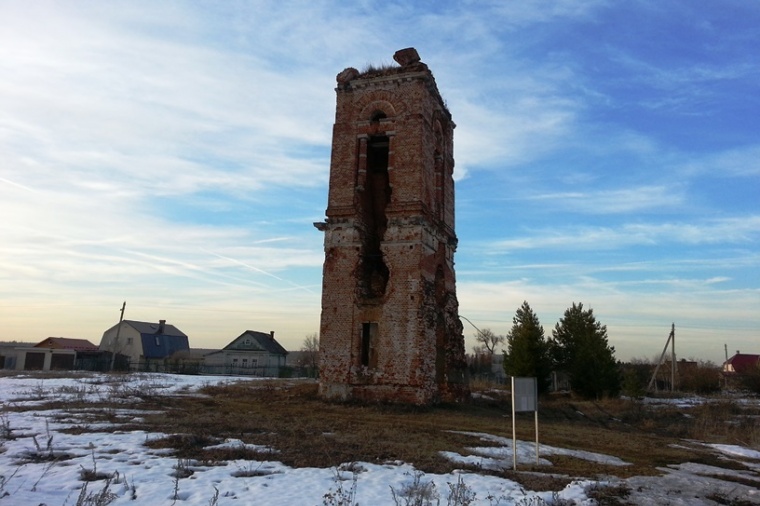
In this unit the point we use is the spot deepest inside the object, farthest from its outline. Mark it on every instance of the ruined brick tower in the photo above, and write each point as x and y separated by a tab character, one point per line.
390	329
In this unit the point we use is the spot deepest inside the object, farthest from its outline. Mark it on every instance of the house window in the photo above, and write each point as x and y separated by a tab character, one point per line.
129	341
247	341
245	362
369	336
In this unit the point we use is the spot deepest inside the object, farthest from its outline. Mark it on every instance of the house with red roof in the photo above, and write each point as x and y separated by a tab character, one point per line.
741	363
53	353
67	343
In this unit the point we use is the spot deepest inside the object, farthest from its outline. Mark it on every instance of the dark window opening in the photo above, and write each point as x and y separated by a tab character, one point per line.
377	116
369	336
61	361
376	197
440	186
440	327
35	361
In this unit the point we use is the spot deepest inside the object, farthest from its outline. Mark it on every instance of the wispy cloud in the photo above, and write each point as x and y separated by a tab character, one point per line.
541	11
175	154
736	230
741	162
148	109
625	200
706	317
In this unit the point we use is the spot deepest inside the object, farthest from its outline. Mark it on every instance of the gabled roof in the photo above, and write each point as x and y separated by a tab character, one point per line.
65	343
251	340
155	328
162	345
741	362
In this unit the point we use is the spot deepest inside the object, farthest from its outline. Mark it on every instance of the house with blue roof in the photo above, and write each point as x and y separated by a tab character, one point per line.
144	343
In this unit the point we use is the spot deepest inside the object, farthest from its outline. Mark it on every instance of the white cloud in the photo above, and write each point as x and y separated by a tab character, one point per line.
142	109
637	323
540	11
606	201
166	153
739	162
734	230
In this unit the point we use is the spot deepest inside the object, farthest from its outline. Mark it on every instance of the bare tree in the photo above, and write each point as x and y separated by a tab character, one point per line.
310	350
488	341
479	350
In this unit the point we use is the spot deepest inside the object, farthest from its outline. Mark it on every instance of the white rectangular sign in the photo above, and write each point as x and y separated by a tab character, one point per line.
524	398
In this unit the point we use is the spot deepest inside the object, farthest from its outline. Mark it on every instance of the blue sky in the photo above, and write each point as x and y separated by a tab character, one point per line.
175	154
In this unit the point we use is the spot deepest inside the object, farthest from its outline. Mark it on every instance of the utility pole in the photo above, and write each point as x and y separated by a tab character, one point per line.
673	371
116	340
671	339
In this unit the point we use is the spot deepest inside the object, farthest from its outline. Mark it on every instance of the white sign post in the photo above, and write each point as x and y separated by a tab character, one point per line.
524	398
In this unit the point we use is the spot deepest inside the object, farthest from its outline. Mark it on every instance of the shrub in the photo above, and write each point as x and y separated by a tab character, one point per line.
704	379
751	380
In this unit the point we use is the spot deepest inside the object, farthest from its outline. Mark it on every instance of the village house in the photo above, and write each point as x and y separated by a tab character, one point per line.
667	374
741	371
252	353
144	345
53	353
741	363
8	352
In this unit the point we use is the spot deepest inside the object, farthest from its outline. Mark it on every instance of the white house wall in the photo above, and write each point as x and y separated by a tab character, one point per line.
48	353
129	343
266	364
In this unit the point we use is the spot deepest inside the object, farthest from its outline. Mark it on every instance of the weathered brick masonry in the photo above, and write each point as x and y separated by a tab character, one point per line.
390	328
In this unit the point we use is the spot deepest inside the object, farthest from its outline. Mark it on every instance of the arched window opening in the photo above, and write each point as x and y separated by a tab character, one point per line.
377	116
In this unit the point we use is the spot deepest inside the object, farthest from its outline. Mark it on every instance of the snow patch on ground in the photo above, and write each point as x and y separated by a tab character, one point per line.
148	476
502	456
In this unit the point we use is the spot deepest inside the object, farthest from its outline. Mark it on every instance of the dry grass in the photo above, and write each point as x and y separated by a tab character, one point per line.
289	418
373	70
307	431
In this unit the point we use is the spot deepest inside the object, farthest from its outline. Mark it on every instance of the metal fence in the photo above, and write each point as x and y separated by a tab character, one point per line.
198	367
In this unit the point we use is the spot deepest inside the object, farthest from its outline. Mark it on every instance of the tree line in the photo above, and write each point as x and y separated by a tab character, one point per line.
578	348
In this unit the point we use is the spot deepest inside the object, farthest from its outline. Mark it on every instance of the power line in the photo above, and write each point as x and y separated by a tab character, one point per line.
473	325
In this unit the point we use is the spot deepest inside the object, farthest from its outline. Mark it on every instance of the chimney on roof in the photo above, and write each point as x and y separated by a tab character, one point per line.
271	334
161	324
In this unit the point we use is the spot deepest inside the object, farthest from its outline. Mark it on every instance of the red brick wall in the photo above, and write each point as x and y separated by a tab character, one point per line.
389	244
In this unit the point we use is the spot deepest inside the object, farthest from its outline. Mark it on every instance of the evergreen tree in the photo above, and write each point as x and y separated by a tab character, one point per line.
579	347
527	348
